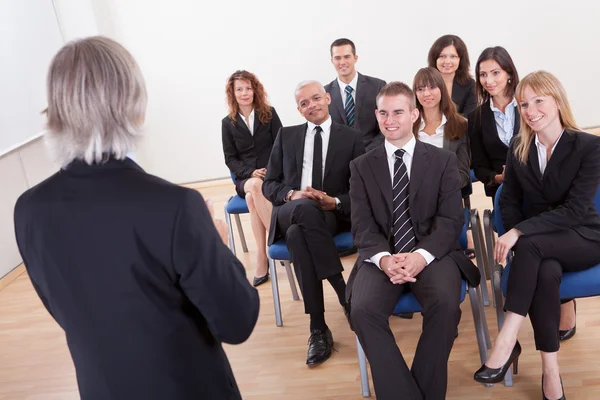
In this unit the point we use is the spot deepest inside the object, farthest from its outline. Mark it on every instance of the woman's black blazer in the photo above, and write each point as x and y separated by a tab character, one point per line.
245	152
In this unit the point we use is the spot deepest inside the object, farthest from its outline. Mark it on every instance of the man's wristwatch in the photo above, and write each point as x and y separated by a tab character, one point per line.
338	205
288	196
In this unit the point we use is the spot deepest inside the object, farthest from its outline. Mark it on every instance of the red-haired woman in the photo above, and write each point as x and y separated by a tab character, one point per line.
249	131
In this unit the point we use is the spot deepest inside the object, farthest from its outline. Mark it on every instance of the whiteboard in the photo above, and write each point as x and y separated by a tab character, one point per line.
29	37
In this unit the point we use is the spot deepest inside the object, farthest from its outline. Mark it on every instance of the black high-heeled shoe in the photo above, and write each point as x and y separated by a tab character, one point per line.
568	333
257	281
561	386
496	375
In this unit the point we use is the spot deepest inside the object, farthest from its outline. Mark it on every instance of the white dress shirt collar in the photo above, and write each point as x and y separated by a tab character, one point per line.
250	123
309	145
541	152
438	129
409	148
352	84
513	103
326	125
436	139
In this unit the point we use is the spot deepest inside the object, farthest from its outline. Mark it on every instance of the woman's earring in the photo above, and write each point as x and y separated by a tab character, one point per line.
509	80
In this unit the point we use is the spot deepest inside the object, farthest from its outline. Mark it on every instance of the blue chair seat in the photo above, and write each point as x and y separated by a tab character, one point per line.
279	250
237	205
574	284
408	302
473	177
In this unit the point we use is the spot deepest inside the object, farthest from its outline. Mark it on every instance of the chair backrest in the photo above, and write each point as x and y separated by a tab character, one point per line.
232	176
498	218
467	190
496	214
473	177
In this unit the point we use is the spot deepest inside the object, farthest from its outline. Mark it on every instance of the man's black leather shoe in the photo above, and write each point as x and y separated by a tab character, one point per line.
319	346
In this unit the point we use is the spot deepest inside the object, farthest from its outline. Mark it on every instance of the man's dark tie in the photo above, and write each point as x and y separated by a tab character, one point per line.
404	235
317	170
349	106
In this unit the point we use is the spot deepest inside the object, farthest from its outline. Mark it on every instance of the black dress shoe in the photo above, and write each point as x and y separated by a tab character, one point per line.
561	386
319	346
496	375
569	333
257	281
405	315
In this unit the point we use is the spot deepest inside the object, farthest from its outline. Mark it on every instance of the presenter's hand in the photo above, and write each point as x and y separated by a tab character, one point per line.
326	202
505	243
394	270
411	263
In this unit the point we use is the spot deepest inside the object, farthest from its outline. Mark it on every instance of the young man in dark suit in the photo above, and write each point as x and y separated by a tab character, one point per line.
308	182
353	94
406	220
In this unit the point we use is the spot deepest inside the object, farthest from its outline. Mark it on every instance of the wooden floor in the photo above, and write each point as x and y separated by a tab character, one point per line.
35	362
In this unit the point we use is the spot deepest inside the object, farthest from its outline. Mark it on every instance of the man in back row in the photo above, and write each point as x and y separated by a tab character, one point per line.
353	94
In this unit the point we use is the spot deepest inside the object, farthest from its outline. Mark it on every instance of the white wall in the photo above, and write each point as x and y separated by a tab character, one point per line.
30	164
30	38
187	52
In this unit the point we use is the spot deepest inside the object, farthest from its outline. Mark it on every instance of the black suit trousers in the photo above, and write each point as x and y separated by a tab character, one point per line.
374	297
309	235
535	276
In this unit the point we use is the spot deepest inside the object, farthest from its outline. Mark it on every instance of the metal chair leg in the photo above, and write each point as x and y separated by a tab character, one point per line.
229	231
290	274
479	254
490	246
275	288
364	373
497	281
241	232
481	329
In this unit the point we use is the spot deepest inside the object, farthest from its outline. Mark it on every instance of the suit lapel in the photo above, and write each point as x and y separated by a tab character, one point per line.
336	99
517	124
257	123
457	93
360	94
242	124
420	162
335	140
533	160
563	148
379	165
299	141
446	144
490	121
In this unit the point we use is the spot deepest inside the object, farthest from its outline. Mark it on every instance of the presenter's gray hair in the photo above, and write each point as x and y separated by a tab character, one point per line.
306	83
96	101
